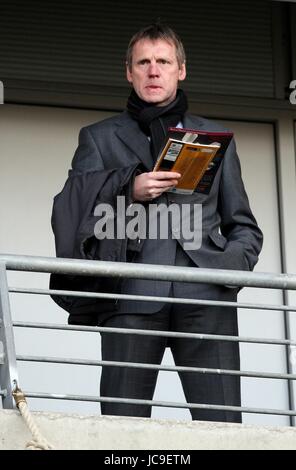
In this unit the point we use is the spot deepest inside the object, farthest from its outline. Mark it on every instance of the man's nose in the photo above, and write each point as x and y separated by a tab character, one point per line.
153	69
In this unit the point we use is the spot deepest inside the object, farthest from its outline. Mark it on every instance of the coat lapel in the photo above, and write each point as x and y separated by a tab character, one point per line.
137	142
193	122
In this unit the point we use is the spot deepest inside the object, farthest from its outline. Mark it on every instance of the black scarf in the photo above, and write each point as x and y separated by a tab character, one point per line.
155	120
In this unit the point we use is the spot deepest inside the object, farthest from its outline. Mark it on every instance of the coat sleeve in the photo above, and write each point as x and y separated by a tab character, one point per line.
72	208
74	204
238	224
87	156
73	223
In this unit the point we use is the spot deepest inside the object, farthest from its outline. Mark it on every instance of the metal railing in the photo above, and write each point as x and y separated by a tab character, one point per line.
9	358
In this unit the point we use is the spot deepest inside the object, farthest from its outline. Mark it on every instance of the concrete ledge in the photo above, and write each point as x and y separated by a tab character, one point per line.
72	432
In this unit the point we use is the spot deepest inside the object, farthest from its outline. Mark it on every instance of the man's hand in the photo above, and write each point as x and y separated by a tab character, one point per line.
148	186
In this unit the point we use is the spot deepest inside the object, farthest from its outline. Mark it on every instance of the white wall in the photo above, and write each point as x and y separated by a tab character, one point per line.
36	147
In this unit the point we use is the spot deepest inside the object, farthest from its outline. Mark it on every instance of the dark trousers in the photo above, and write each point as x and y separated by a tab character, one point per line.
198	387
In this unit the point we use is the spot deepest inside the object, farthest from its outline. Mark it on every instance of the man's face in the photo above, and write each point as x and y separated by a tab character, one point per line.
155	72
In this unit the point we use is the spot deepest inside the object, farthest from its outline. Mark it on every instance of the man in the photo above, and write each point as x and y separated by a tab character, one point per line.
231	238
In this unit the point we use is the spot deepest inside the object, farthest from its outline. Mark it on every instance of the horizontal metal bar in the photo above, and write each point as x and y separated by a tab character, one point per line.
144	271
171	334
167	404
150	298
137	365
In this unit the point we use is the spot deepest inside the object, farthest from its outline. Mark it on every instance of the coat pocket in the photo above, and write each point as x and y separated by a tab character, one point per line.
218	240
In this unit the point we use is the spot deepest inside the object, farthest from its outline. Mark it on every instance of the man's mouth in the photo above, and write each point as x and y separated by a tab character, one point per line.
153	87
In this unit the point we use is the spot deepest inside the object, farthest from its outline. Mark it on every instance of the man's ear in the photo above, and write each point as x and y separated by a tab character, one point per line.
182	72
128	73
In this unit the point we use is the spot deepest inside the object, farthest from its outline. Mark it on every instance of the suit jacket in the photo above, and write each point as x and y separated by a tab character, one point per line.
231	238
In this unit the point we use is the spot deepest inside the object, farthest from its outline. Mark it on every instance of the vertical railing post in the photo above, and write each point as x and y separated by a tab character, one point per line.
8	366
